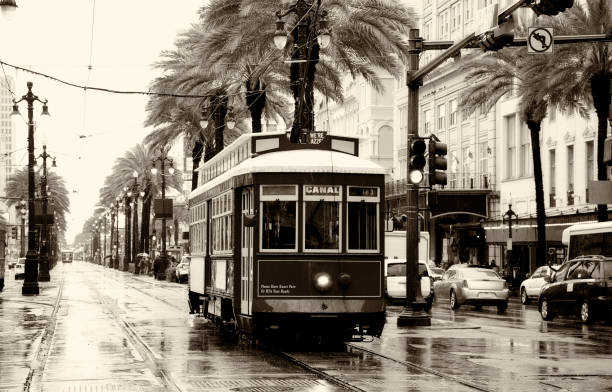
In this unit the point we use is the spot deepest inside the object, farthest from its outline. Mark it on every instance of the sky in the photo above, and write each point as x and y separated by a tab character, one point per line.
120	40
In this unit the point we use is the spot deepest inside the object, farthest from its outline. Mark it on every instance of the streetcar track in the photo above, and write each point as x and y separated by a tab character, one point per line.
38	364
424	369
153	360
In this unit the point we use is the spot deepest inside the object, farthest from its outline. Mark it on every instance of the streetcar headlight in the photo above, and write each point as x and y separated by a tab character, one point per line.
322	281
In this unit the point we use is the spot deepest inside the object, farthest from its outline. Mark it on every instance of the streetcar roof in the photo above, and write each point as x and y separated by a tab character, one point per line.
297	161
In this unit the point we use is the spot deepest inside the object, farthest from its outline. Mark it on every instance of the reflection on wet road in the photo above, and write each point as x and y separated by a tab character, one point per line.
98	329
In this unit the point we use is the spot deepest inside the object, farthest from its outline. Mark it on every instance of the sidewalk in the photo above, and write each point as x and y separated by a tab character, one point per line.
26	321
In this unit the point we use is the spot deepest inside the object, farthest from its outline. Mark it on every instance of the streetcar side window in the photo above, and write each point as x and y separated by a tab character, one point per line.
362	219
322	217
221	223
278	217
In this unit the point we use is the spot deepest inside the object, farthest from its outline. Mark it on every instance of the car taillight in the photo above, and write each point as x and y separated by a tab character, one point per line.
505	284
464	283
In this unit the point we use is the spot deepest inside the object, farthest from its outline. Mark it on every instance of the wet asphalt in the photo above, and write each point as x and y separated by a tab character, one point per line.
95	329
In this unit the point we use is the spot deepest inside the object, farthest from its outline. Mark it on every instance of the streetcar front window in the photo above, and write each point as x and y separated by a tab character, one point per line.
279	225
362	219
322	225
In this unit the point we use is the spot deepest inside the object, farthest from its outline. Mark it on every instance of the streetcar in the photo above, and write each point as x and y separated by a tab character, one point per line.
287	238
67	256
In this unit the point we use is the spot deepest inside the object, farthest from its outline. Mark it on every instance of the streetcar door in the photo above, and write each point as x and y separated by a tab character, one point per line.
246	254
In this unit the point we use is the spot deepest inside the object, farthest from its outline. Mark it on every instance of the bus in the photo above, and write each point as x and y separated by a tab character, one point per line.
289	238
587	239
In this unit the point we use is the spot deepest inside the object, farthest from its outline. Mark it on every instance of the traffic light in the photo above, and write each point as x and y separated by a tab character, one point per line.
551	7
437	163
416	162
502	35
14	232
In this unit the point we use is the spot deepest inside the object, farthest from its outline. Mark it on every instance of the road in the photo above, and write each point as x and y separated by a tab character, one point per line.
95	329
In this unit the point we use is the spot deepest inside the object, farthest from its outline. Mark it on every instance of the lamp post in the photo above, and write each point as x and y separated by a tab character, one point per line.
30	283
127	254
21	208
509	215
104	249
135	243
305	56
44	249
162	260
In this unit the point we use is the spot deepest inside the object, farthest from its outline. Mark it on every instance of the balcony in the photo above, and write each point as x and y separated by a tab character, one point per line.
456	181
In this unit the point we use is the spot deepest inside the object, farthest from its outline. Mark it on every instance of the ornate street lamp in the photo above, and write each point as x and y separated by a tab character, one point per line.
311	22
8	8
162	260
43	267
30	283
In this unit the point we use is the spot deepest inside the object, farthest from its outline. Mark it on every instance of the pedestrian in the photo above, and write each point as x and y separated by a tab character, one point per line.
494	266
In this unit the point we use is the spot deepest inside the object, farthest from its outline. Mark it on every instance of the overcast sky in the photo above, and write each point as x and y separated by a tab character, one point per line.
55	37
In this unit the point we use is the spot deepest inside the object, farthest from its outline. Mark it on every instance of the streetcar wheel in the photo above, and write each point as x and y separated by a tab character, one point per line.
453	300
586	315
545	311
524	297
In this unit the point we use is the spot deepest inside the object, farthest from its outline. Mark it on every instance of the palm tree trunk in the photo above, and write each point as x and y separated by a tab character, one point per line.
135	244
219	112
600	90
534	128
256	101
196	157
145	220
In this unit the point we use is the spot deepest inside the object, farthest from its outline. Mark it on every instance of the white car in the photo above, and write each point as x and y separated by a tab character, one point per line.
20	268
395	281
531	287
182	269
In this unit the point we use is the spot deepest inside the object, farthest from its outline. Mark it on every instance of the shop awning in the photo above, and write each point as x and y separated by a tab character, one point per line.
523	233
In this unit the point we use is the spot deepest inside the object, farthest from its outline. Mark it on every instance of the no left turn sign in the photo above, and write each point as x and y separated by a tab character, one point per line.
540	40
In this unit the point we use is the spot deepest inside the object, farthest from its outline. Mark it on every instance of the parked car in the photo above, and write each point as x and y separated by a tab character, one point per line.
436	273
581	286
182	269
395	281
20	268
474	286
530	288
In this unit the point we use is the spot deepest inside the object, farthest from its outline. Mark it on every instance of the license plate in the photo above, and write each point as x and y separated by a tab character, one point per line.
486	295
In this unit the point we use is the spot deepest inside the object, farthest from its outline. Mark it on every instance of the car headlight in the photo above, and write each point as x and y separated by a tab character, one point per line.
322	281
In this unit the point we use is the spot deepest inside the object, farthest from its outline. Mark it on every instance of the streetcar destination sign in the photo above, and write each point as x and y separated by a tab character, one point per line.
322	190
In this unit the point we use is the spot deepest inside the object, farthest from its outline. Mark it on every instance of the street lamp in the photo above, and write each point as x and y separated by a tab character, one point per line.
127	211
116	245
162	261
304	59
30	283
44	237
135	243
509	215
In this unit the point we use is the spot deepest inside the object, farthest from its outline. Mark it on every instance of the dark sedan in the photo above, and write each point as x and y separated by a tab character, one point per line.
582	286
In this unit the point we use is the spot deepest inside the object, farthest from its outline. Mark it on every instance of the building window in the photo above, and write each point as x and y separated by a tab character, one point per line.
441	117
427	126
453	112
590	165
526	161
403	122
570	175
510	123
553	182
483	163
552	114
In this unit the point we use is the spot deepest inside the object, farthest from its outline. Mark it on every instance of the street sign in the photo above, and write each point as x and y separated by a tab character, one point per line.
540	40
600	192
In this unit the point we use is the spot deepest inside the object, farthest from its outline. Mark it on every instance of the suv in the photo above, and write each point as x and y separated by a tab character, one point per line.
581	286
395	281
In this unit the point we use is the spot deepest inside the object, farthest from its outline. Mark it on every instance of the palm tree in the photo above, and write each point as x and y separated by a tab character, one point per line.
17	187
495	75
366	33
137	160
584	71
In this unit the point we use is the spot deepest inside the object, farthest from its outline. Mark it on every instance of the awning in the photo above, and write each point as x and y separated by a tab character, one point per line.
523	233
